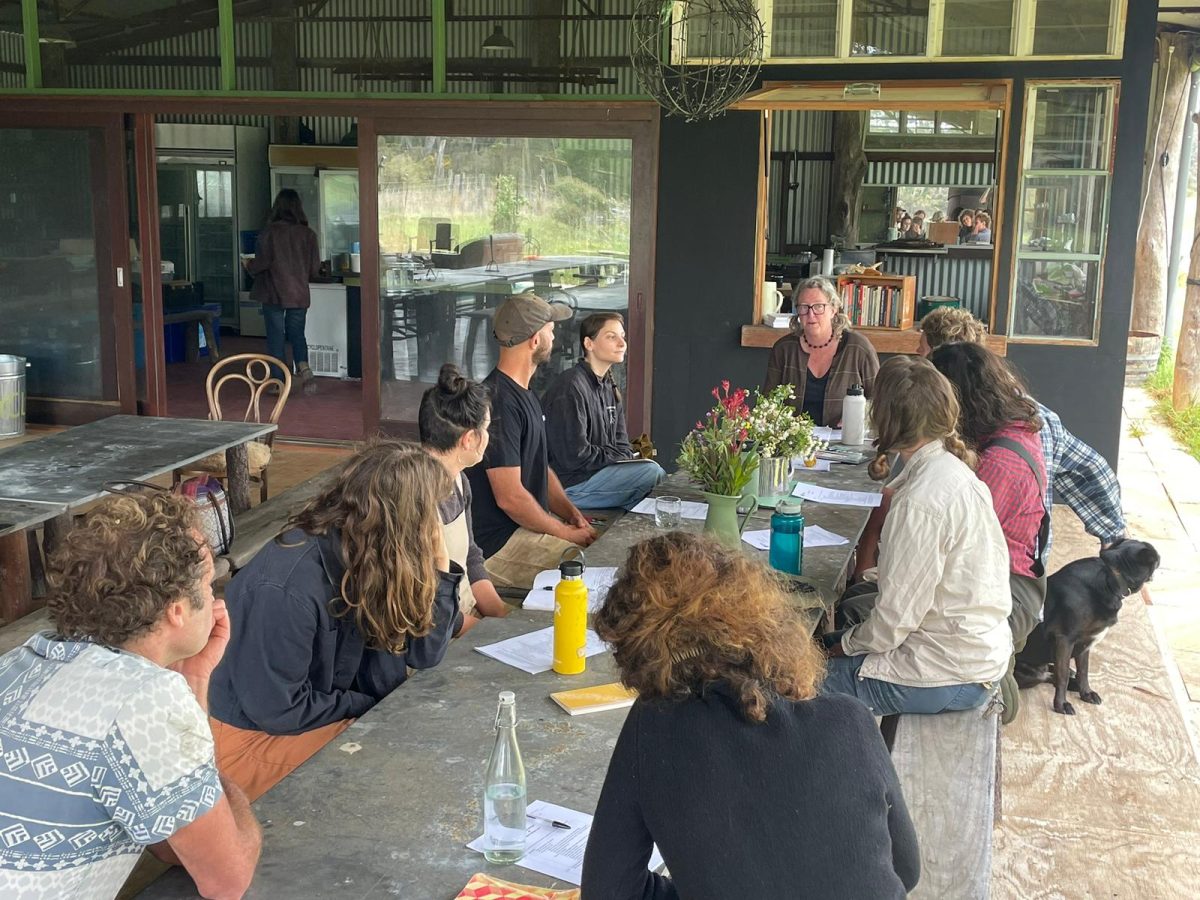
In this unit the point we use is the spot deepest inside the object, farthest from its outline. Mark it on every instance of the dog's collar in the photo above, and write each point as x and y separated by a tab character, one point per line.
1122	584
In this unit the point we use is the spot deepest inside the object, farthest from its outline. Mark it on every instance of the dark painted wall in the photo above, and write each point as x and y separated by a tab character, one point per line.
704	289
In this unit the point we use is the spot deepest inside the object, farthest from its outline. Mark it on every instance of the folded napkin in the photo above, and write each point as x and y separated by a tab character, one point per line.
485	887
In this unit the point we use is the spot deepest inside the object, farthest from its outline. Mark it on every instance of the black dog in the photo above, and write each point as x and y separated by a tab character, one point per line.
1083	599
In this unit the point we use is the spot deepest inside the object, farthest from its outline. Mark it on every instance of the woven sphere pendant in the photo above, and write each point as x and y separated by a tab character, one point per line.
724	37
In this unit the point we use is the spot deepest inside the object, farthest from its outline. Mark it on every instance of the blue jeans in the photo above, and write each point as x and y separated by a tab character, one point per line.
884	698
285	323
621	485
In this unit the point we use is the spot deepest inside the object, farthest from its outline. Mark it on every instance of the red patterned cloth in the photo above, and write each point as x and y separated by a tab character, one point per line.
484	887
1016	496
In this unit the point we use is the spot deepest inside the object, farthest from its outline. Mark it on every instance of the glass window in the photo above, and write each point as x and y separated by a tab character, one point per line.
465	222
889	27
1063	214
1070	128
12	45
143	46
55	262
804	28
1073	27
977	28
918	123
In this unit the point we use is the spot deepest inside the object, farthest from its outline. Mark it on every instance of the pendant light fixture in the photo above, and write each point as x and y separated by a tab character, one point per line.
498	42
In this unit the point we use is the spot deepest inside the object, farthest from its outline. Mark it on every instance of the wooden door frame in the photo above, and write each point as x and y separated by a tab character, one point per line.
640	125
110	223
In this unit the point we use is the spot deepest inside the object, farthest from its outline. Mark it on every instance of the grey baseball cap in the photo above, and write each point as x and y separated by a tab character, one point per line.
522	316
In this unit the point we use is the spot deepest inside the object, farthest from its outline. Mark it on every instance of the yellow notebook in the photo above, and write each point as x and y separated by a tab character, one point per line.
594	699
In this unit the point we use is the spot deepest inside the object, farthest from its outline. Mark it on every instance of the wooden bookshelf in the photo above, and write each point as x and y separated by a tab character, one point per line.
883	302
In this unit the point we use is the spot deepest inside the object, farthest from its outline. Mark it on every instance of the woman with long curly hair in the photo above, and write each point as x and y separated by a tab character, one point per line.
932	634
729	760
328	618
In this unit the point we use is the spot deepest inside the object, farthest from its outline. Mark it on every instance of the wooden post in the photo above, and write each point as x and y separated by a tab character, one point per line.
285	71
1152	256
16	586
37	569
849	168
54	530
1185	389
237	468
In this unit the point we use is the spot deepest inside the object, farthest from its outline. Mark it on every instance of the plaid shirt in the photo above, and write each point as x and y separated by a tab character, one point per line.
1082	480
1016	497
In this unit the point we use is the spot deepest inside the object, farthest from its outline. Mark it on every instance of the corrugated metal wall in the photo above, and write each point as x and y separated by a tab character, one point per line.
894	35
950	174
12	58
970	280
807	217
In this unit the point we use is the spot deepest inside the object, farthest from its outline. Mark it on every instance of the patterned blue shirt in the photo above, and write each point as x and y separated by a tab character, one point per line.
1080	478
102	753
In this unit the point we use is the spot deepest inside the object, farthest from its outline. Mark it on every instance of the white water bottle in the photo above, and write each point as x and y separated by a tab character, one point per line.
854	416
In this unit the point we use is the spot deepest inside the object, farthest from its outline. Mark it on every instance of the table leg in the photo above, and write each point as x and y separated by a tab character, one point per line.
16	586
37	569
54	530
210	338
237	467
192	341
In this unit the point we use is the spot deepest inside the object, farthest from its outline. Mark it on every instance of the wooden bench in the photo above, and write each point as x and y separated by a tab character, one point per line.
259	524
195	319
948	766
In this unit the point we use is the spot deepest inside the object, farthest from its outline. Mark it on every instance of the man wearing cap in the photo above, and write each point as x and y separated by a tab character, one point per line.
522	518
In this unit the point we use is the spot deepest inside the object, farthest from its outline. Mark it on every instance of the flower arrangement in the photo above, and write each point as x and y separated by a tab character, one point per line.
774	426
713	453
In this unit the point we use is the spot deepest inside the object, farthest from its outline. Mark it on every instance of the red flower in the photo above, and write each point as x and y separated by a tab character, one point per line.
725	384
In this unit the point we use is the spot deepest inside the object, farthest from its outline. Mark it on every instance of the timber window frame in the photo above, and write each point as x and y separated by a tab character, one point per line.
1060	278
1023	31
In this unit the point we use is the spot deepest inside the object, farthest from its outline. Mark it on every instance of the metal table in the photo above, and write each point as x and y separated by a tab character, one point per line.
42	481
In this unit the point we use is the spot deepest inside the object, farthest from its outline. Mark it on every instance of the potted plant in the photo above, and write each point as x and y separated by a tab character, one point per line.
779	434
712	454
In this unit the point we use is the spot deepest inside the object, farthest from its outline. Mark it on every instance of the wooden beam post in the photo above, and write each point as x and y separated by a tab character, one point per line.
285	67
849	169
1185	388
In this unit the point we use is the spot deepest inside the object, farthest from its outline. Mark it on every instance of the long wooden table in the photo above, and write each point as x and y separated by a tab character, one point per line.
42	481
387	809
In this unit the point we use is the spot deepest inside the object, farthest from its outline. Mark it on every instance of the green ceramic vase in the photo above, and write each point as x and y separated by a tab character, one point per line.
722	521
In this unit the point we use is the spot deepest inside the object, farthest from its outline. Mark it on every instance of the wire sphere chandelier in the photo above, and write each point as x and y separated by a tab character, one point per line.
725	36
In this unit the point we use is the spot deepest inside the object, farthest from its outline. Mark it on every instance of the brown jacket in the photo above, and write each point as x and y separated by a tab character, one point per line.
285	261
854	363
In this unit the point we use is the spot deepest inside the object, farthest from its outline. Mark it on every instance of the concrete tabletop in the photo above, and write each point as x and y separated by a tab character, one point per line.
17	515
69	468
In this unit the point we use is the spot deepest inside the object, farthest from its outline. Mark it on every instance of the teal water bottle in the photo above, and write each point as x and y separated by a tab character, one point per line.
787	538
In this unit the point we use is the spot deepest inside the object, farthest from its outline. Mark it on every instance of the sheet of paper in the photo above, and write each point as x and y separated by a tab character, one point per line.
688	509
825	433
557	852
821	465
534	652
598	580
834	497
814	536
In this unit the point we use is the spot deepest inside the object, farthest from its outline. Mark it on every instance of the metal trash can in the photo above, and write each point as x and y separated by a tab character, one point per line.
12	395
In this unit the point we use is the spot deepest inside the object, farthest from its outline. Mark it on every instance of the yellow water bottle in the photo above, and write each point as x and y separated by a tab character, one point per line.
570	619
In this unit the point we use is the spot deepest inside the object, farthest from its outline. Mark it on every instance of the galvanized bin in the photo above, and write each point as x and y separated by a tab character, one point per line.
12	395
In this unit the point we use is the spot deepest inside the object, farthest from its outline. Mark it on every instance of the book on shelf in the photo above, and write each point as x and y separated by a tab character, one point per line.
597	698
872	305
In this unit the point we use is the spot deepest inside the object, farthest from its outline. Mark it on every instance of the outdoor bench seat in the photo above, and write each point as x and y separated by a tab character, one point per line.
948	765
257	525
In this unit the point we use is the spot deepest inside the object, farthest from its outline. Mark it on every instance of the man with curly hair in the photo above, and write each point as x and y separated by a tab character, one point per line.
106	742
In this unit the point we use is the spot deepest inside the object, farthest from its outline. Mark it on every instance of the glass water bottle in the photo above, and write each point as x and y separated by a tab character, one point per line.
504	789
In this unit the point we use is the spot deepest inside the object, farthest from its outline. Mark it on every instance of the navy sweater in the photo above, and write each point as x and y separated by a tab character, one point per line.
804	805
292	665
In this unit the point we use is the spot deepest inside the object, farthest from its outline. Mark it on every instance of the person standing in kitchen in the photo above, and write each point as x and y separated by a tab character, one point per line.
285	260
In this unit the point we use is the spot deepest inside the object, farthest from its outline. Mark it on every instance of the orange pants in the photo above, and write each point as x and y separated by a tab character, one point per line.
256	761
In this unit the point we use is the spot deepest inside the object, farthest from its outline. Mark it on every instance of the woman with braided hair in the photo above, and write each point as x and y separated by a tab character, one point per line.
931	635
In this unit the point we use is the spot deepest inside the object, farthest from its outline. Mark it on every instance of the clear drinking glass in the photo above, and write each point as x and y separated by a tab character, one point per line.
666	512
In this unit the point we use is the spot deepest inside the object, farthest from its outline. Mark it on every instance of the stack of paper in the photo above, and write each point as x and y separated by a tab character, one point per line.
554	850
597	579
688	509
534	652
837	498
814	536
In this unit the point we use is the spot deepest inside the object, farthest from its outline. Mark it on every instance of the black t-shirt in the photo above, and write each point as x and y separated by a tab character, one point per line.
814	396
518	438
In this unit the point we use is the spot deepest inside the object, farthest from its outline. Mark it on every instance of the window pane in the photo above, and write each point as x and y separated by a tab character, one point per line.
1063	214
1072	27
918	123
804	28
465	222
977	28
889	27
12	45
884	121
967	123
1070	128
1056	298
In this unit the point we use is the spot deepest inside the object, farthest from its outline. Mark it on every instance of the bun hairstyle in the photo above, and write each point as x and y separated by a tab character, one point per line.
452	407
913	404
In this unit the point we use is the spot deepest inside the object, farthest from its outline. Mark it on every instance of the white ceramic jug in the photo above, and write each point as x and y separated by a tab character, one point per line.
772	298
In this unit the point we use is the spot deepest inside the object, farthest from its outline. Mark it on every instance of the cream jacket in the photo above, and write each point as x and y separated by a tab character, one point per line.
942	614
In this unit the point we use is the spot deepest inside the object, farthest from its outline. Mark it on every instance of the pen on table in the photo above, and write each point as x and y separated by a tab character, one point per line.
554	822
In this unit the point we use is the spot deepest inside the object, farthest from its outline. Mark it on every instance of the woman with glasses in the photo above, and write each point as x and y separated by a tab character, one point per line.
822	357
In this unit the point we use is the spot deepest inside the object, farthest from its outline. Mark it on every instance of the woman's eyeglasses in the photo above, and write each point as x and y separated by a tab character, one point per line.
816	309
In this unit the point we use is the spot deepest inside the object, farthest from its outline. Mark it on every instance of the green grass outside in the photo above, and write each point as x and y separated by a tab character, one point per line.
1185	423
